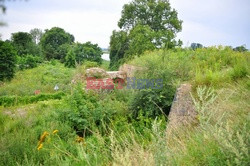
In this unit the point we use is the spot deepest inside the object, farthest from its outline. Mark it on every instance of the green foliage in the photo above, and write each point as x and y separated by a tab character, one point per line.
52	40
141	38
146	25
88	52
86	112
43	78
240	49
7	61
163	19
70	59
196	45
240	69
154	102
7	101
90	64
118	47
36	35
113	136
105	65
63	51
28	62
24	44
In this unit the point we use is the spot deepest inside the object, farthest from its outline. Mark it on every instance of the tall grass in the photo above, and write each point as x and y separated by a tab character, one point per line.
43	78
220	93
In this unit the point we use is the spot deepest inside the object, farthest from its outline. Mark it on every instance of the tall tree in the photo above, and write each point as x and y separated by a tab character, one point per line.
52	40
36	35
145	25
23	43
158	15
7	61
119	44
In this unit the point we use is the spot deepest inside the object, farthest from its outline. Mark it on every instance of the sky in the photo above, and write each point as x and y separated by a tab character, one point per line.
209	22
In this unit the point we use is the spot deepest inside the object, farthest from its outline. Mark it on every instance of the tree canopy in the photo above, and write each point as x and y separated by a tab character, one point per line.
23	43
157	14
88	52
52	40
36	35
147	24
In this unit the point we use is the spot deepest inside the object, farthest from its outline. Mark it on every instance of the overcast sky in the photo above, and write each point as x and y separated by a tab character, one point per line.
209	22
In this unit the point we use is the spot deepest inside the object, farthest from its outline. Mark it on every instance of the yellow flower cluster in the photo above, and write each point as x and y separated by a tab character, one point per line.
43	137
79	139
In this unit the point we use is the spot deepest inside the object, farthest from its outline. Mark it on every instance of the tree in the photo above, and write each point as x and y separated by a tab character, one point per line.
194	46
36	35
92	52
240	48
70	60
52	40
119	44
140	39
145	25
158	15
88	52
7	61
22	41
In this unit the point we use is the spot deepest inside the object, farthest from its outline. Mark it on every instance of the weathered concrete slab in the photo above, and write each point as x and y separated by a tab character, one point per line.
182	111
130	69
117	74
97	73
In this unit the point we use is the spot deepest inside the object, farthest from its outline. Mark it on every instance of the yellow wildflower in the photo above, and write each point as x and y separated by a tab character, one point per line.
55	131
42	138
79	139
40	147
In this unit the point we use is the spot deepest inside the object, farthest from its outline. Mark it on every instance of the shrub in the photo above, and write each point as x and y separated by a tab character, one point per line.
239	70
90	64
70	59
28	62
86	113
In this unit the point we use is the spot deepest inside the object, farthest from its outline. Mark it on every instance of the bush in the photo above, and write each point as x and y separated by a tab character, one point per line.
90	64
86	113
70	59
239	70
28	62
152	103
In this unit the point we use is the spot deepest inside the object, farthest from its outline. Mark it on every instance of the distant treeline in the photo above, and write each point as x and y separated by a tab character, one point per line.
26	50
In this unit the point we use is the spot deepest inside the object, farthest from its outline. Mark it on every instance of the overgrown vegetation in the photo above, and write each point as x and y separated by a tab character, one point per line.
48	117
128	127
